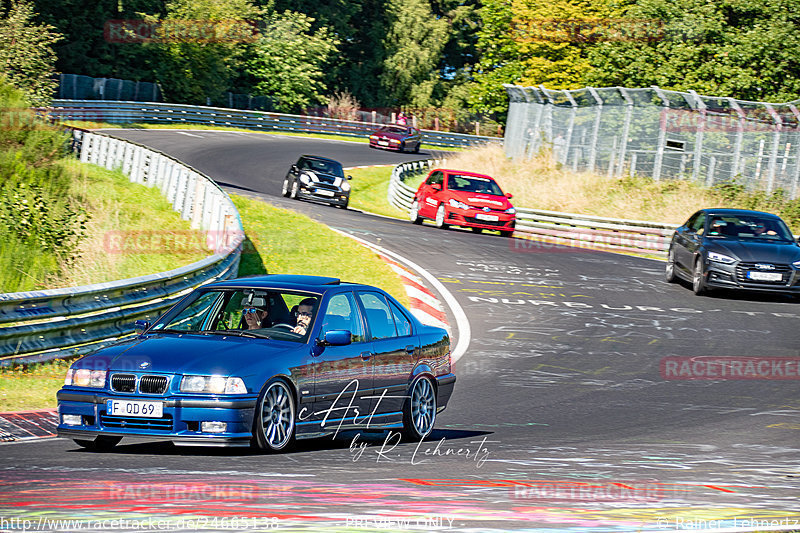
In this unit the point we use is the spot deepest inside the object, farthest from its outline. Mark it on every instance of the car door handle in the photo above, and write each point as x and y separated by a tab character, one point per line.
366	355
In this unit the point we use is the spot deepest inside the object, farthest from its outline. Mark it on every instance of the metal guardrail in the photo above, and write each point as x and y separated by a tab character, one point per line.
161	113
55	323
552	227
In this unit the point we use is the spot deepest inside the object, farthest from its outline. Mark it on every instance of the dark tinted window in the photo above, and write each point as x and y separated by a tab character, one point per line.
379	317
457	182
696	222
342	313
749	227
402	323
436	178
321	165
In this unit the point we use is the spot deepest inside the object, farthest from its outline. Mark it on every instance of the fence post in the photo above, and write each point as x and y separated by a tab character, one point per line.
773	154
611	157
625	129
598	114
662	133
796	173
571	128
698	139
737	144
711	166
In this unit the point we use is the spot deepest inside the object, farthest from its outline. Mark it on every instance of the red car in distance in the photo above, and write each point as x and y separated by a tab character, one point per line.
397	137
459	198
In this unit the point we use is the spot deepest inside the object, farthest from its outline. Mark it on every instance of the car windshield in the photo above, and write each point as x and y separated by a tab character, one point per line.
394	129
457	182
264	313
323	166
749	227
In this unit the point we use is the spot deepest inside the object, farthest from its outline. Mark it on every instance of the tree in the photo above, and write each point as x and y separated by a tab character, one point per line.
414	45
746	49
193	65
26	51
287	61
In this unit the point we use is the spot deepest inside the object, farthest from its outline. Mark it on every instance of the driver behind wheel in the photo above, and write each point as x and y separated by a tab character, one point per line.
303	315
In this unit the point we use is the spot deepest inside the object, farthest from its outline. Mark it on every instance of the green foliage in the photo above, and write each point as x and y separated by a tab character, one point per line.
413	45
287	62
26	50
745	49
733	193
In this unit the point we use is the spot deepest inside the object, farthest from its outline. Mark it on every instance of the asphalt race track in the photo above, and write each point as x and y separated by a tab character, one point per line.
565	415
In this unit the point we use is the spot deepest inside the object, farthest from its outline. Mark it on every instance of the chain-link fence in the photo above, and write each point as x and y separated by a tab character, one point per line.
77	87
659	133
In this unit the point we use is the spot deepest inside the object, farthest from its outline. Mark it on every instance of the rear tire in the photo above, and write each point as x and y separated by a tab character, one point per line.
295	188
477	230
285	188
441	214
419	410
669	270
413	215
274	418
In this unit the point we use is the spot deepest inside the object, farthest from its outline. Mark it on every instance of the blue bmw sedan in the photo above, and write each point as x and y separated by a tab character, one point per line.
263	361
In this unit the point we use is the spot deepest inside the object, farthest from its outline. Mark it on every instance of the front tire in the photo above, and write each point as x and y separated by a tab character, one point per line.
285	188
274	419
416	148
402	147
419	410
413	215
506	233
295	189
698	283
441	214
669	270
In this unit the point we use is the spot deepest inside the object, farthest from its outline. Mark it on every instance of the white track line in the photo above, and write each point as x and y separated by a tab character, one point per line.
464	332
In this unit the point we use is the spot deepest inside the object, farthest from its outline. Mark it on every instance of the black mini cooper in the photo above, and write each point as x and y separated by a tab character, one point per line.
319	179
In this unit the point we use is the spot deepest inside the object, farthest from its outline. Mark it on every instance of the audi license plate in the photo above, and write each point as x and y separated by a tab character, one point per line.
764	276
323	192
488	218
134	408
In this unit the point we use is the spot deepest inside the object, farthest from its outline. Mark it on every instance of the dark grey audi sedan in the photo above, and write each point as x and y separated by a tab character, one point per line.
735	249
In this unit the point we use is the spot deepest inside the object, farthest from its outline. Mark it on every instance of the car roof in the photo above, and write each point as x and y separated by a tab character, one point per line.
287	281
318	158
449	171
728	211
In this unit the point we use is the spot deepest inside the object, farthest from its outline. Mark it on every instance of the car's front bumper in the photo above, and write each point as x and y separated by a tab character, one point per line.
180	423
389	146
733	276
309	192
470	218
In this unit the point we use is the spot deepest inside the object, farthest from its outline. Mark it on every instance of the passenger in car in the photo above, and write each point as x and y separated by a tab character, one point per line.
303	315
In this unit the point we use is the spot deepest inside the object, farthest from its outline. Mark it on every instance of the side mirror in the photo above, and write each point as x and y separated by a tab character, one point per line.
294	168
140	326
436	187
337	337
509	195
349	177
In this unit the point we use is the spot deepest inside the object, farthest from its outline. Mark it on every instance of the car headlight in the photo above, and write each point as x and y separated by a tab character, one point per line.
720	258
511	211
83	377
346	186
304	179
796	264
395	141
373	137
213	384
455	203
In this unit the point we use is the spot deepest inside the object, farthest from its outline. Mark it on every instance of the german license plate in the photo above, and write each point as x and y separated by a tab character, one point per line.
383	143
764	276
323	192
488	218
134	408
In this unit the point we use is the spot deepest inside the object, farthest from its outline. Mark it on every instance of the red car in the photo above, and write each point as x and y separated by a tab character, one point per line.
397	137
458	198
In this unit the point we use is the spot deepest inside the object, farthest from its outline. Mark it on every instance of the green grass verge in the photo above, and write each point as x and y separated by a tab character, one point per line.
133	230
148	126
371	188
284	242
31	387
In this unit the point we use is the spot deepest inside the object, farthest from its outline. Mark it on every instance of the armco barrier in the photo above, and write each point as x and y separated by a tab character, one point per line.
179	114
55	323
583	231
